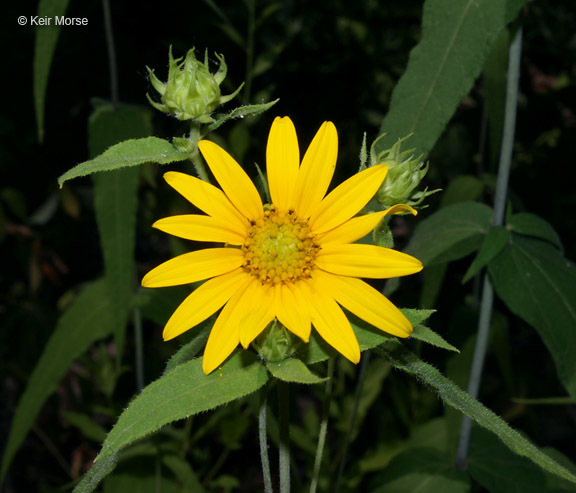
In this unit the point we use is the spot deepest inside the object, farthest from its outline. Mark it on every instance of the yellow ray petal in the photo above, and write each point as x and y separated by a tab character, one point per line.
203	302
208	199
351	230
365	302
233	179
200	228
333	326
347	199
194	266
370	261
225	333
258	312
360	226
317	169
282	162
292	311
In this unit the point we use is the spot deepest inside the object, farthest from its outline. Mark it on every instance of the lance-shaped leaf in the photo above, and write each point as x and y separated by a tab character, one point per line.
293	370
128	153
453	395
180	393
457	38
538	284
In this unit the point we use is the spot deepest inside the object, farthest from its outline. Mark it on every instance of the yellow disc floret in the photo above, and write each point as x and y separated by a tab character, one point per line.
279	248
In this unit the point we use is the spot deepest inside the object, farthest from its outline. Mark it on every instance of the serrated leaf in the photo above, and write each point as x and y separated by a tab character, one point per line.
494	242
86	320
454	396
46	39
417	315
241	112
128	153
183	392
427	335
528	224
450	233
293	370
538	284
115	203
422	470
456	40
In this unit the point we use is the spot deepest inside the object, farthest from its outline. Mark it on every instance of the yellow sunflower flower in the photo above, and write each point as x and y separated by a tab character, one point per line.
293	260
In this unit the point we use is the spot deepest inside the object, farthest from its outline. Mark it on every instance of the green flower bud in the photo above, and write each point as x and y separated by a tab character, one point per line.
191	91
275	344
404	175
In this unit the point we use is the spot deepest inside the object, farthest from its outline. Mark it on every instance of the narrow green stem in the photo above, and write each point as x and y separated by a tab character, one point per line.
195	136
498	219
284	447
111	54
323	426
352	424
139	349
262	435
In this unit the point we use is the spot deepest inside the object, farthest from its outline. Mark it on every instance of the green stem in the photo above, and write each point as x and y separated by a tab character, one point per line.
195	136
262	435
139	349
323	426
284	447
111	54
347	438
498	219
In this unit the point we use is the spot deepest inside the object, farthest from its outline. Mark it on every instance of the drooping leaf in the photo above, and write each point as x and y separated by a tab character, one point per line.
422	470
293	370
87	319
451	233
115	202
456	40
528	224
125	154
180	393
46	39
538	284
454	396
494	241
241	112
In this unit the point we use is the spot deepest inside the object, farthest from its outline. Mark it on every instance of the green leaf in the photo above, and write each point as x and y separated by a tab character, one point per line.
424	334
115	203
528	224
184	473
293	370
463	188
451	233
128	153
456	40
422	470
46	39
493	243
416	315
538	284
87	319
454	396
159	304
181	393
241	112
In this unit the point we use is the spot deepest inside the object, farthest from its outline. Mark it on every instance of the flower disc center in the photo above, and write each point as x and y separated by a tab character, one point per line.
279	248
